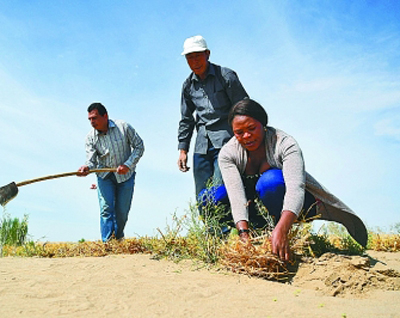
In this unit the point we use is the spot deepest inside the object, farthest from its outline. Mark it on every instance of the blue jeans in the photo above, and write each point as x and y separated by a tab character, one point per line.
115	202
270	188
206	167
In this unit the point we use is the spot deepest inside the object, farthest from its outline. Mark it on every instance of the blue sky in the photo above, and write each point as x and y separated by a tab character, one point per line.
327	72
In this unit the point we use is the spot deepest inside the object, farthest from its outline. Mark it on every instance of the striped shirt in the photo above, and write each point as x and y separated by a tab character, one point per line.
120	145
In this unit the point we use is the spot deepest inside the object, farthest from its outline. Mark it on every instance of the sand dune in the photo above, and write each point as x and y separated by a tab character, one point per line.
138	286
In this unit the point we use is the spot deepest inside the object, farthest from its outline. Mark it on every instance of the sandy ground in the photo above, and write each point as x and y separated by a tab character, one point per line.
138	286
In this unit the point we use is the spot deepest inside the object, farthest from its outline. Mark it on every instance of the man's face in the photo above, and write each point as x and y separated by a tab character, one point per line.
198	63
97	121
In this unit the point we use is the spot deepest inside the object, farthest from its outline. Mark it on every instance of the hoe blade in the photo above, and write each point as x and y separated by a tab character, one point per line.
7	193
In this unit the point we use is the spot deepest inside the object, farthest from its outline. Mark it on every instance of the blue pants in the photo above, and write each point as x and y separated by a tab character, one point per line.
206	167
269	188
115	202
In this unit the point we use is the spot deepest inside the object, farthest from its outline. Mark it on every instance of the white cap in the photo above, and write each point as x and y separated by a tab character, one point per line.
194	44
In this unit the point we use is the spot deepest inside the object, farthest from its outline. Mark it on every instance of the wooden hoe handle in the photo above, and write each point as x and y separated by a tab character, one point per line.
65	174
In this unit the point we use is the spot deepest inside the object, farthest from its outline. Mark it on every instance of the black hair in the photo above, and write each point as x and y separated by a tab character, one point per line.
100	108
248	107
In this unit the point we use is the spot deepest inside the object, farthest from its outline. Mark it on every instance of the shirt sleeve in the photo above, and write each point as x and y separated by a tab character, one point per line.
234	184
234	88
293	173
187	122
91	153
137	146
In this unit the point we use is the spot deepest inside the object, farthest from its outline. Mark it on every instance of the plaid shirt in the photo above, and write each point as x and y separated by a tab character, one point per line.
121	145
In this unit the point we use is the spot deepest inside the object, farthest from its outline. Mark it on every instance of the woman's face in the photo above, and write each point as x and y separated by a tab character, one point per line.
248	131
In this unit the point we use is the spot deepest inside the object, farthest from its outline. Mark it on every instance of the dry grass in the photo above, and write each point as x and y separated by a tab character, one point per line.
202	243
65	249
254	258
384	242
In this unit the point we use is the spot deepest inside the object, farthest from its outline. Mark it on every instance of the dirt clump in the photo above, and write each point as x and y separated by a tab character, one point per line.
339	275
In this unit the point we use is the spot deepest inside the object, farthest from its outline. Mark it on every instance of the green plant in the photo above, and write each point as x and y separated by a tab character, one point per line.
206	230
13	231
204	224
318	245
338	239
171	245
269	220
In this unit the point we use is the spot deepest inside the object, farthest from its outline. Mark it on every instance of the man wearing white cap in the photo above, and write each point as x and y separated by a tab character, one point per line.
210	91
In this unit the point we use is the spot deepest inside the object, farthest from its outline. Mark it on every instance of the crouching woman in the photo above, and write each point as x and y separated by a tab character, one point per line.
265	162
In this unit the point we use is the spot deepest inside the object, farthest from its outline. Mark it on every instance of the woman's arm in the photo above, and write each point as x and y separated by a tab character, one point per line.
227	161
288	155
291	158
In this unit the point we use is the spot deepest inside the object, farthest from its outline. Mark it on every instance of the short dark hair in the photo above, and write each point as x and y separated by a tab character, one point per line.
100	108
248	107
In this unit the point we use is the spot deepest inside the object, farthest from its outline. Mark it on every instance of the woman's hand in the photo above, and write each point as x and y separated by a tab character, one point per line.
279	237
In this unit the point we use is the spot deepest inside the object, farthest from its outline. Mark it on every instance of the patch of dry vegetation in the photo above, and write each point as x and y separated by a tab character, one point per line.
384	242
204	242
252	259
68	249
